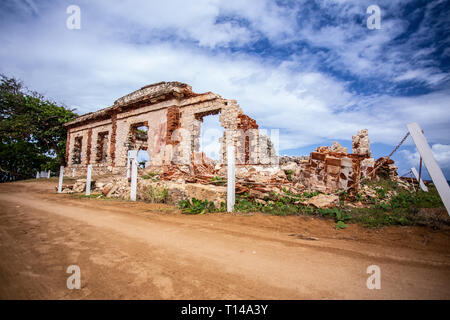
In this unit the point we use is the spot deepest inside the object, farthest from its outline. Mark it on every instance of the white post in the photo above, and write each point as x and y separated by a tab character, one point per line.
133	179
73	173
37	175
88	180
132	154
61	175
430	162
231	179
128	167
48	174
422	185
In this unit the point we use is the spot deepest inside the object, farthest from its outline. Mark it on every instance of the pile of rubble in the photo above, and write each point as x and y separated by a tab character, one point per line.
329	170
151	190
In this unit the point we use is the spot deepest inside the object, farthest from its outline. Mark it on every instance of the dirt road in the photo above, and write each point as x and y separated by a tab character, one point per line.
137	250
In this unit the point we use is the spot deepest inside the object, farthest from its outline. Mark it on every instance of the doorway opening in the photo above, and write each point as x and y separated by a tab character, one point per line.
210	133
143	158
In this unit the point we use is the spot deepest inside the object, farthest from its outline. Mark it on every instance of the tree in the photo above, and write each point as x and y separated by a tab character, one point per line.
32	135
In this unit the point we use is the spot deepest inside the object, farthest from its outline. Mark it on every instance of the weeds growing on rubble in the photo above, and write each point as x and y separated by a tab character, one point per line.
195	206
394	205
389	205
158	196
220	181
289	174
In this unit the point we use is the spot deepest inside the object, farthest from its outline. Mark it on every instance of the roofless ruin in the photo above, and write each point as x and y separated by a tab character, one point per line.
164	119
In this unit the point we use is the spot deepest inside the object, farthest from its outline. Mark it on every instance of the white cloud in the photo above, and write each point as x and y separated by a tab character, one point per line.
352	48
211	23
441	153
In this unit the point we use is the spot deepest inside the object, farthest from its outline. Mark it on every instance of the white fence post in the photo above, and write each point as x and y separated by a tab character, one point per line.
128	166
422	185
430	162
231	178
88	180
132	154
48	174
61	175
133	179
37	175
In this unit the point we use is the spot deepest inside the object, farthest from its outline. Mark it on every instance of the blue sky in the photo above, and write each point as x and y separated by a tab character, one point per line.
311	69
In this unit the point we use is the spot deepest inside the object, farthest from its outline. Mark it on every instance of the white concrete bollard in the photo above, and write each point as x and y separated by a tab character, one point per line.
88	180
61	175
132	154
231	178
133	179
48	174
37	175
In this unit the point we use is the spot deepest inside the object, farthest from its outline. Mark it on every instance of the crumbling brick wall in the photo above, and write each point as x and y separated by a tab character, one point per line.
330	170
173	115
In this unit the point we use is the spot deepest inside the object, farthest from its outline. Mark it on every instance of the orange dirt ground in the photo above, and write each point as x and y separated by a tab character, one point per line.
145	251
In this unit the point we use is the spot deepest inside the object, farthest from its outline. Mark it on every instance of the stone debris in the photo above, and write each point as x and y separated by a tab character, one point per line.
323	201
385	168
80	185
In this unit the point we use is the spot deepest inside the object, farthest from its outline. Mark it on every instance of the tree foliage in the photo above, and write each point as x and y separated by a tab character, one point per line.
32	136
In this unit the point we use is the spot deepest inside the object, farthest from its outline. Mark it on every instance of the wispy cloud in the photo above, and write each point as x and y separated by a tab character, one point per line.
441	153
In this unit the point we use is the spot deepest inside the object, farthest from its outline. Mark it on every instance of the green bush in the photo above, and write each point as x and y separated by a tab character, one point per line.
195	206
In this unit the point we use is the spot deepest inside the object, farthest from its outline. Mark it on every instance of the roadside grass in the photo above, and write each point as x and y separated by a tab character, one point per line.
195	206
393	205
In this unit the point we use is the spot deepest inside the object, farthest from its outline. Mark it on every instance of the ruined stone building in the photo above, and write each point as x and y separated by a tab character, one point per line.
165	120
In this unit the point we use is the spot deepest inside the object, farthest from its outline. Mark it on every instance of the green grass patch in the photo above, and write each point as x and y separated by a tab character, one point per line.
195	206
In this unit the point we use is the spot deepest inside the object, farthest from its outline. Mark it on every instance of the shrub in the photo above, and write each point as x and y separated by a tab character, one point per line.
196	206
